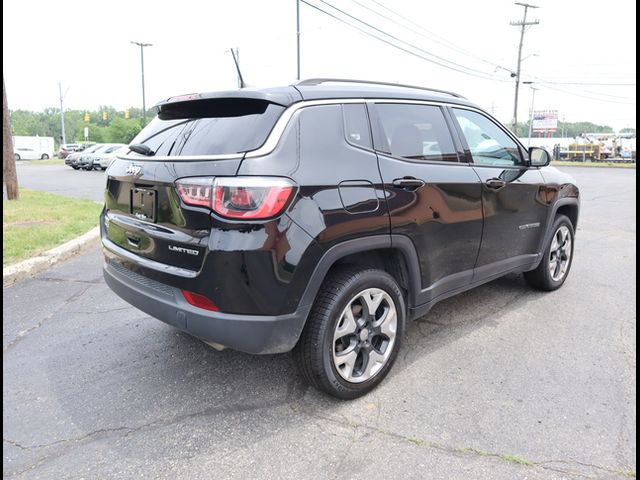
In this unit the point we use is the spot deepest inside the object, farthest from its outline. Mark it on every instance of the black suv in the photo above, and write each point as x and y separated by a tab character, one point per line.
323	216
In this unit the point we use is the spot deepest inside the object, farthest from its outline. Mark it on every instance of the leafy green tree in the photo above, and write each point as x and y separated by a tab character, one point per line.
123	131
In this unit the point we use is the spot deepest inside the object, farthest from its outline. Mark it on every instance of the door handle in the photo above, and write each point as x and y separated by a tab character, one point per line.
495	183
408	183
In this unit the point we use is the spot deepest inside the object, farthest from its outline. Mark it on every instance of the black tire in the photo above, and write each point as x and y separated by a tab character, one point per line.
541	278
16	157
315	350
44	157
74	167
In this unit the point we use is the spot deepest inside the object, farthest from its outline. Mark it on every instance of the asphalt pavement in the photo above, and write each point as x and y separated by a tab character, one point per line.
62	179
501	382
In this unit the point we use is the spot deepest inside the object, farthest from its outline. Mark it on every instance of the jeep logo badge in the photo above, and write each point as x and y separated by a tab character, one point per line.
133	169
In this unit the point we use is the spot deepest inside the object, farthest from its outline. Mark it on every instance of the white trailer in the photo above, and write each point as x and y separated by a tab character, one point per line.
41	146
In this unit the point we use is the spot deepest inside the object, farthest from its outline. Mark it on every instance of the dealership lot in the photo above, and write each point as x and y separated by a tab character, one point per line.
499	382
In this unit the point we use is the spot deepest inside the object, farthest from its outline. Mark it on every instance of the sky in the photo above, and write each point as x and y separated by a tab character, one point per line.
581	56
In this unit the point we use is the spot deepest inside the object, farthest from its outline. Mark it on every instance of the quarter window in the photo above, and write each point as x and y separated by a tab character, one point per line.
416	132
356	125
488	143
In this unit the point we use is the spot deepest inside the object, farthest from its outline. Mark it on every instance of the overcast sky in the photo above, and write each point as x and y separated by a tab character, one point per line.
86	46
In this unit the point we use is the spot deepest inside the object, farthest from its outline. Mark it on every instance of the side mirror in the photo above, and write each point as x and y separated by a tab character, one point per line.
539	157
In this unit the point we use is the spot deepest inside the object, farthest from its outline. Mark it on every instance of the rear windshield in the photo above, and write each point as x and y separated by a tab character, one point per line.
209	127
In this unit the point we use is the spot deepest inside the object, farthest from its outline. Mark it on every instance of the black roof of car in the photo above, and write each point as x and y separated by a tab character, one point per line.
319	89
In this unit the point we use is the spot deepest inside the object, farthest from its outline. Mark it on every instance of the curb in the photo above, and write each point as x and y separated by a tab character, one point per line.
32	266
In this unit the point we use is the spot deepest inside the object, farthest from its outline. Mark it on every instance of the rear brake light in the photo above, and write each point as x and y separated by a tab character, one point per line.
199	301
246	198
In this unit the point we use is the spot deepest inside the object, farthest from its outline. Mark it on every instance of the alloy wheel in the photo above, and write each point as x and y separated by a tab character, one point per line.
365	335
560	253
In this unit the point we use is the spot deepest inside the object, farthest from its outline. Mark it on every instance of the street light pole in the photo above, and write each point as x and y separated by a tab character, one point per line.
144	106
533	98
64	136
298	38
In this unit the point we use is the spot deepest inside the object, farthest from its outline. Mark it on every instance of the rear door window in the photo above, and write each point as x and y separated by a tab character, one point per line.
415	132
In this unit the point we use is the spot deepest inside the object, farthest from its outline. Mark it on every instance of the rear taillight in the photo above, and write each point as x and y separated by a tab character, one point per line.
246	198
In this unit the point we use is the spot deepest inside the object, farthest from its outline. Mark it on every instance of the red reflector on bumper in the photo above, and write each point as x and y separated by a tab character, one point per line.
199	301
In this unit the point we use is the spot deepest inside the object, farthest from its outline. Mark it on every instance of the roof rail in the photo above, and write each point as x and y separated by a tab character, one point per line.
318	81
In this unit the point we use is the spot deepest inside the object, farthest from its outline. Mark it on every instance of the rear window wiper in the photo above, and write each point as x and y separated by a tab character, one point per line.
142	149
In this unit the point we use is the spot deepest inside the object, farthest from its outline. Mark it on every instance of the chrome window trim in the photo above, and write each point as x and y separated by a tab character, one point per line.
174	158
281	124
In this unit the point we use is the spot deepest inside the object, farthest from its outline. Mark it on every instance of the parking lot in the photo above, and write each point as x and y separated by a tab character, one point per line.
498	382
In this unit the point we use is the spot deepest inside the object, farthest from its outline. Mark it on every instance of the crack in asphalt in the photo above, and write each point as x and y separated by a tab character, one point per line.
525	463
53	279
24	333
295	390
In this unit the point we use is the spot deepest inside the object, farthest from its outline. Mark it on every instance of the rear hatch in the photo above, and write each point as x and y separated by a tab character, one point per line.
144	216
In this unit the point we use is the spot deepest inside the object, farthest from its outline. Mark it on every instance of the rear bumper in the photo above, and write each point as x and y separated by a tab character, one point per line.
255	334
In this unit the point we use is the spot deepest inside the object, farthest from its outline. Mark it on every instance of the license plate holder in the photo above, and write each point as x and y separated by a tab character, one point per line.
142	203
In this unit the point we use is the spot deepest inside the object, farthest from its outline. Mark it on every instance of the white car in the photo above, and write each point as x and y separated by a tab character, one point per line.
102	161
29	154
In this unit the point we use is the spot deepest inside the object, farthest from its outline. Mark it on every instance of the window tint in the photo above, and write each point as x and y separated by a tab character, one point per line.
211	127
356	124
488	143
418	132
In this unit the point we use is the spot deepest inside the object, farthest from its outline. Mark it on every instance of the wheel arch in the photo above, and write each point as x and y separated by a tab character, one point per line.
394	254
569	206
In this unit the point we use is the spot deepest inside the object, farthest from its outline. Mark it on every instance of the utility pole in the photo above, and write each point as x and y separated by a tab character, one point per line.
144	106
64	136
533	98
521	24
298	38
236	60
9	176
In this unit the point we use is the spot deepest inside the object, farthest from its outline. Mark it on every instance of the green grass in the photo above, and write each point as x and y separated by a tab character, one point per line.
49	161
563	163
40	221
626	473
516	459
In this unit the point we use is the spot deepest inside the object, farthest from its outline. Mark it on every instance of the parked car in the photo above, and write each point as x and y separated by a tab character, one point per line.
73	158
324	216
24	153
87	159
103	160
66	149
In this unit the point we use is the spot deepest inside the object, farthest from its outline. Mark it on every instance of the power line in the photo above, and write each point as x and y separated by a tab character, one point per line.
438	39
455	47
461	69
589	83
423	57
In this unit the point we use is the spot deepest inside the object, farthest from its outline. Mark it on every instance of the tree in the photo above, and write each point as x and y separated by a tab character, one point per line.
9	176
628	130
123	131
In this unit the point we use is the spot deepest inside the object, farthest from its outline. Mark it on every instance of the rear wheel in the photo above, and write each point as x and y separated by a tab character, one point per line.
353	332
16	157
556	262
44	157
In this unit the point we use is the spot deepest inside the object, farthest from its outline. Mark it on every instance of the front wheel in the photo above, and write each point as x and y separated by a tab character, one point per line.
353	332
44	157
16	157
556	261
